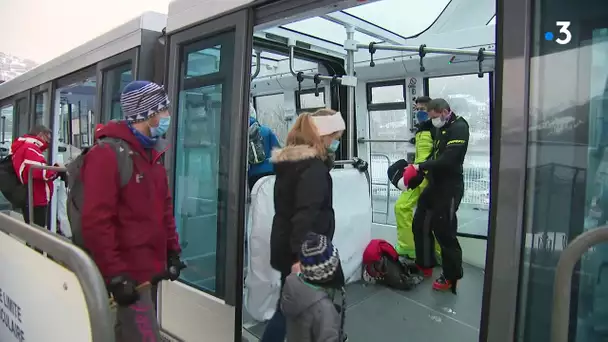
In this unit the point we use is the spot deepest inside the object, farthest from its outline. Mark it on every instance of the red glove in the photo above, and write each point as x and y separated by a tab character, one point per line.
409	173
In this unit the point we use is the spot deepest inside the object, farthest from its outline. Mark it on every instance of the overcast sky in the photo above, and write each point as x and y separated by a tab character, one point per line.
43	29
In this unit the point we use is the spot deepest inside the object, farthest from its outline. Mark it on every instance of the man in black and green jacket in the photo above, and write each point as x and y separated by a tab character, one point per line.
438	203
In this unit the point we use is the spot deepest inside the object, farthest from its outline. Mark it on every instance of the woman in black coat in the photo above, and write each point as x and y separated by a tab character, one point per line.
302	195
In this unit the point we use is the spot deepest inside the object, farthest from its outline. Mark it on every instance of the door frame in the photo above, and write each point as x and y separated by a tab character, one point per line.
508	172
241	22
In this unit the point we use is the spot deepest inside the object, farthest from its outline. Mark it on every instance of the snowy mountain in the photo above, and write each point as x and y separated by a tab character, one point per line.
12	66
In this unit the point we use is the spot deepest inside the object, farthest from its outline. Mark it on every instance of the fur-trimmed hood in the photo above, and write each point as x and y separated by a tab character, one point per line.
294	153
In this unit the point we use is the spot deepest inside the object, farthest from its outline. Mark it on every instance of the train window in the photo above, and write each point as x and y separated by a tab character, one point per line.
567	162
199	162
114	81
6	135
21	116
308	101
469	97
203	62
6	125
41	117
271	113
389	121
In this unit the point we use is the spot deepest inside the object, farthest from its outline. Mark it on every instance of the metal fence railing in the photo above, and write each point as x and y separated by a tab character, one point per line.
476	182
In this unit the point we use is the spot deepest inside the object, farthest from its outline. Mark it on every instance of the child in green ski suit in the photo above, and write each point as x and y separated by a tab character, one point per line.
405	205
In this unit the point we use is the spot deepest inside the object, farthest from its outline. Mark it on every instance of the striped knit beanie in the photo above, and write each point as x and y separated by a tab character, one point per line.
319	259
141	100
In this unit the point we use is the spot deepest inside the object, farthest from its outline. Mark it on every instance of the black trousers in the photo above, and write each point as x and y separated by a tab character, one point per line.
435	217
40	215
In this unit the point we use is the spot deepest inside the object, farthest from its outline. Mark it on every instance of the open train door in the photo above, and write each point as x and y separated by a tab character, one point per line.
208	83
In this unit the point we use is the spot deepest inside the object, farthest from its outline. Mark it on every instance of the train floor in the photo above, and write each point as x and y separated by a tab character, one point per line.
376	312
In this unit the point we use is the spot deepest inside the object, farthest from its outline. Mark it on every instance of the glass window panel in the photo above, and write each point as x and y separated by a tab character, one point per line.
387	124
22	117
388	94
6	124
271	113
469	97
76	115
203	62
6	135
199	206
325	29
404	17
41	117
567	183
114	82
311	101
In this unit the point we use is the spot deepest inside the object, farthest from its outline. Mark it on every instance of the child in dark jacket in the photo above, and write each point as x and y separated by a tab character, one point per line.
307	297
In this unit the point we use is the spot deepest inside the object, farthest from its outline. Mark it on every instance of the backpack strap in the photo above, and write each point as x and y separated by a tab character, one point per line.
123	157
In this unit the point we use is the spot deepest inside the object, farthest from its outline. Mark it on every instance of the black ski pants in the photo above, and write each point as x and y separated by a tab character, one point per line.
435	217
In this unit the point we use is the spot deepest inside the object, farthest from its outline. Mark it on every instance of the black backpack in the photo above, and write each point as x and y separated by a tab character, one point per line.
10	185
256	153
75	189
393	273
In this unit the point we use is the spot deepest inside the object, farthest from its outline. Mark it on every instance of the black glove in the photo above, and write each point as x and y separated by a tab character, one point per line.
416	181
395	171
124	290
413	141
360	164
174	265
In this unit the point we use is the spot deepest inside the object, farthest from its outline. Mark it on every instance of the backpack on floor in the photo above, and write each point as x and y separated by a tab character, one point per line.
10	185
75	188
381	265
256	153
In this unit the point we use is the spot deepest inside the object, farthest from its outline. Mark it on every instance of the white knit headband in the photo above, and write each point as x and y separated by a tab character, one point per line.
328	124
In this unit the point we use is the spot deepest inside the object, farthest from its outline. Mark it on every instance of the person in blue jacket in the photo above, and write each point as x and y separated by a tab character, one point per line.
268	141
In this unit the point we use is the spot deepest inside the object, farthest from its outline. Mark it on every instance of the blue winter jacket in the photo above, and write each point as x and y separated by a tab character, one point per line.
270	142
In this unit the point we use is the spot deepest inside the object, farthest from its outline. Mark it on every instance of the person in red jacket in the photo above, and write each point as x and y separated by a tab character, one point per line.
26	151
130	230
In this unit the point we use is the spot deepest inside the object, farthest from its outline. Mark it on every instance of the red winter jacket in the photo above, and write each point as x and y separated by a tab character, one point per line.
127	230
26	151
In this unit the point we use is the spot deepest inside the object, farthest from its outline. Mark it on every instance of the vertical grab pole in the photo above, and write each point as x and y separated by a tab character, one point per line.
350	108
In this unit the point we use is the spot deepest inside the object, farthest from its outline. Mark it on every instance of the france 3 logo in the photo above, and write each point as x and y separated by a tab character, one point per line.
564	35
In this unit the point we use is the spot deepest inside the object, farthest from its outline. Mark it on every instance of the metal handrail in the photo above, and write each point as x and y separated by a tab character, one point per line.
388	184
30	188
77	261
368	140
562	285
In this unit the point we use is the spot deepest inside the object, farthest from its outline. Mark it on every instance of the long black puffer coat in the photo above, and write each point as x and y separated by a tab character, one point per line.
302	203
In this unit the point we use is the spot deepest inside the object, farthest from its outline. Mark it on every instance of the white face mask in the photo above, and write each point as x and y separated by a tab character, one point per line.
438	122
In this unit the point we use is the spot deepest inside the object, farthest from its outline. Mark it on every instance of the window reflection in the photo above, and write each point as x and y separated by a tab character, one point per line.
76	113
6	137
567	169
41	117
469	97
114	82
203	62
198	176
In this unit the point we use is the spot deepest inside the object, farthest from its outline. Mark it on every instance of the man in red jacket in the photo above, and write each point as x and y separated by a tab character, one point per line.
26	151
130	230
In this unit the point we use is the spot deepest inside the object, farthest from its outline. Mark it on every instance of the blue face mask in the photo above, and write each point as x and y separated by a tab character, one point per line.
422	116
162	129
333	147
